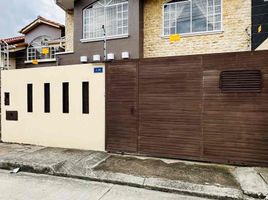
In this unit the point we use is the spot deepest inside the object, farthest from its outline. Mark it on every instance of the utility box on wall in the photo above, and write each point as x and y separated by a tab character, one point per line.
55	106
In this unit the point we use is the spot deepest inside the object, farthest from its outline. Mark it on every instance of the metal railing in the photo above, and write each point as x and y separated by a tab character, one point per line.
4	55
42	52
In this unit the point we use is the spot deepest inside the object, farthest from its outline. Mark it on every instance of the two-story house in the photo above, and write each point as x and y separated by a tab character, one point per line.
181	79
37	47
193	106
142	28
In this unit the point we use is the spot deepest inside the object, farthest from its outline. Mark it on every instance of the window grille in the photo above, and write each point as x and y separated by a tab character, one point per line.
113	14
192	16
35	53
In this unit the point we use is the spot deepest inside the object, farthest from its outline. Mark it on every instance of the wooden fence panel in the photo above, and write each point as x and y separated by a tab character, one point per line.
181	111
235	125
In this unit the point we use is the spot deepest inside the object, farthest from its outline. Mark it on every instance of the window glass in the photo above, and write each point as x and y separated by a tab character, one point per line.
192	16
183	17
39	49
112	14
199	14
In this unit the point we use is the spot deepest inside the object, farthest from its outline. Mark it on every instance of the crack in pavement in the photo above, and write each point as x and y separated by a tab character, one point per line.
106	192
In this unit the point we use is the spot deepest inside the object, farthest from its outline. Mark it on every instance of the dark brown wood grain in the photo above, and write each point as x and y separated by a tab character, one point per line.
121	115
181	112
170	107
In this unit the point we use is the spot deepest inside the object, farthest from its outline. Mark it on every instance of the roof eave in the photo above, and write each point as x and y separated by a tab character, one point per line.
37	22
67	5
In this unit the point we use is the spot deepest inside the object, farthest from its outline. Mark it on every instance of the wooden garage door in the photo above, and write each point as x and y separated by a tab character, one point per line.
121	107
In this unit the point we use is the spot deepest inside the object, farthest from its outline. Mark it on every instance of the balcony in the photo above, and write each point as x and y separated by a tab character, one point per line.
42	53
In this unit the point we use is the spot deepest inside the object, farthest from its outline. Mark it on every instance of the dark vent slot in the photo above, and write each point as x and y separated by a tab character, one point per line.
30	97
241	81
47	97
85	97
65	97
7	99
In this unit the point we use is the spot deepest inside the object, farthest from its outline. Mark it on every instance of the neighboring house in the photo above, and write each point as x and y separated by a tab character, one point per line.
41	40
8	50
142	28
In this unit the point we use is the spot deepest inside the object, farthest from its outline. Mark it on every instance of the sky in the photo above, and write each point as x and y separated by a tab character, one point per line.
16	14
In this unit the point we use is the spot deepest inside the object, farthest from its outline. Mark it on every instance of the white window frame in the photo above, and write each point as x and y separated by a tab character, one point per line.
191	33
118	36
32	50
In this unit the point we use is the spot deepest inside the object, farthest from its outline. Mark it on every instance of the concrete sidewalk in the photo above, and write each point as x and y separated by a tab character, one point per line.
191	178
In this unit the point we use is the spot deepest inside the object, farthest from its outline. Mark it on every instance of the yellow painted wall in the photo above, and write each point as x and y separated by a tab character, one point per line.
55	129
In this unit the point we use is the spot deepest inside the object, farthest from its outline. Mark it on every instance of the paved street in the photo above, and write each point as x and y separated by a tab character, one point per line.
25	186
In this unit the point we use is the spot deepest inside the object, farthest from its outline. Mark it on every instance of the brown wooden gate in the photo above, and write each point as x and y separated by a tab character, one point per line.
173	107
170	99
121	107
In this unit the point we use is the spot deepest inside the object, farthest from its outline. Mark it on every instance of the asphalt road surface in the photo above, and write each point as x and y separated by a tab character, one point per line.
27	186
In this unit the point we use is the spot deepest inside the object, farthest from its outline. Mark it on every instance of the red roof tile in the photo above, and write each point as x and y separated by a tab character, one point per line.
14	40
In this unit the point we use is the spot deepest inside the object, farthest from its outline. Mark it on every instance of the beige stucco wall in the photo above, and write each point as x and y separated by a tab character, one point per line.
12	63
236	19
55	129
69	32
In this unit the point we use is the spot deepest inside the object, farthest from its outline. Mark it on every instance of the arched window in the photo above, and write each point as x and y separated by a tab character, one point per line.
40	41
112	14
39	49
192	16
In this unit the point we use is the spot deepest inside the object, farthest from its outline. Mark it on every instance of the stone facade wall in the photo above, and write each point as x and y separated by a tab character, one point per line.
69	32
234	37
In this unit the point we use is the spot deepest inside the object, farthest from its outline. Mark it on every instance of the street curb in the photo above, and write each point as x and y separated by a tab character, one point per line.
251	182
156	184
